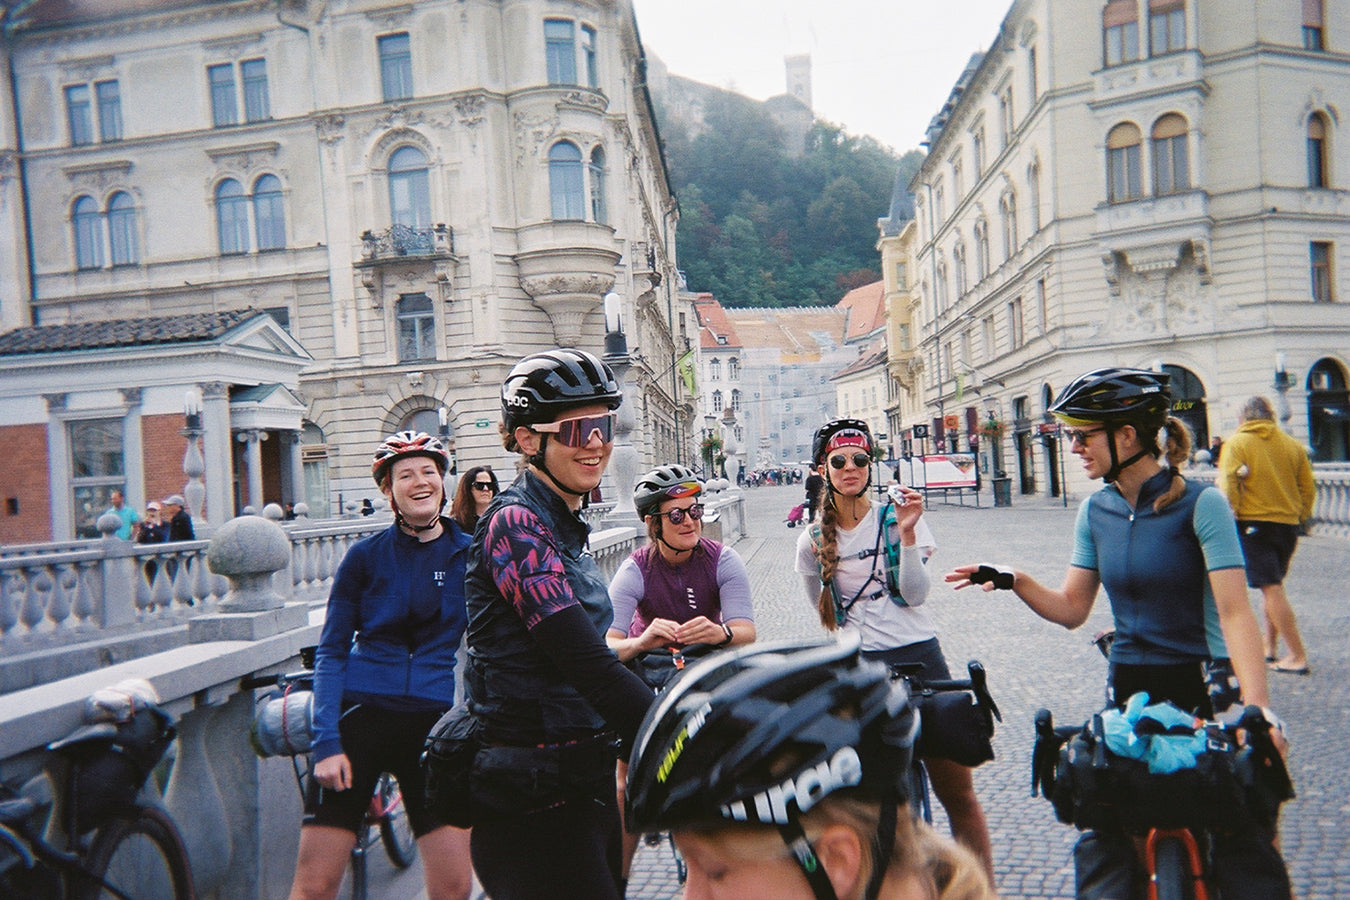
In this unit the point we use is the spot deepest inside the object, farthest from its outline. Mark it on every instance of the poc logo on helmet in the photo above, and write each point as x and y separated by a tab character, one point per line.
517	400
842	770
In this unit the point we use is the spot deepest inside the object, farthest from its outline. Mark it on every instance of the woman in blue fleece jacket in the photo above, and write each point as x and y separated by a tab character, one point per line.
385	672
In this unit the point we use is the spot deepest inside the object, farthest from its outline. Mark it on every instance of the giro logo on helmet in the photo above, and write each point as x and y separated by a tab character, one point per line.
842	770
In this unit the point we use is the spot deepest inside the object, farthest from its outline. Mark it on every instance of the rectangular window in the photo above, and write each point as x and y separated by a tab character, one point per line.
588	55
1120	32
1042	306
987	324
1005	111
977	151
1320	256
1015	333
96	470
1166	26
79	115
416	327
1171	174
560	51
1123	165
901	276
1312	25
958	179
109	110
224	106
1033	79
1317	161
253	74
396	66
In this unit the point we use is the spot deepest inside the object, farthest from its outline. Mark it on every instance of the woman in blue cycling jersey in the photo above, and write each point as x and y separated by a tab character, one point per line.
1167	552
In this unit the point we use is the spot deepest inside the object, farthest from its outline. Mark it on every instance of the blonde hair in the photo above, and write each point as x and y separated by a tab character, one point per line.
947	870
1176	449
827	553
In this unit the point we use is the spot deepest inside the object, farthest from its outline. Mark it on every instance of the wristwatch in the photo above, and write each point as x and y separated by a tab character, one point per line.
727	629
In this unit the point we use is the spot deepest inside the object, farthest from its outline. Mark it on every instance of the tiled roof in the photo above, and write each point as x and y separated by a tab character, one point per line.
799	331
866	309
713	322
184	329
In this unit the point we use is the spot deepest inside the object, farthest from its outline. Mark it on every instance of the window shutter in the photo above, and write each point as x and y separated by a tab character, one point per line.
1120	12
1162	6
1125	134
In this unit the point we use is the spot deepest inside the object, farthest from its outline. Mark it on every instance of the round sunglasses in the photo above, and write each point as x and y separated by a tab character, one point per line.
861	460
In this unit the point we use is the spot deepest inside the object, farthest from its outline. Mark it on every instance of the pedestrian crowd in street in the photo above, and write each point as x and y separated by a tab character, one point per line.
595	709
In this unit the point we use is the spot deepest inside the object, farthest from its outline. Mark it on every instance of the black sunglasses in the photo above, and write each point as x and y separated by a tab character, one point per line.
861	460
484	486
676	515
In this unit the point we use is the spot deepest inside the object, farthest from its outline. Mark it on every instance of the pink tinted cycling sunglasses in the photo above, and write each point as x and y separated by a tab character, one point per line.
579	431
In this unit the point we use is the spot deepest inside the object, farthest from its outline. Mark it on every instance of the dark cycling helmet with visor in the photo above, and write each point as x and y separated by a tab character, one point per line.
1115	397
761	734
664	483
542	385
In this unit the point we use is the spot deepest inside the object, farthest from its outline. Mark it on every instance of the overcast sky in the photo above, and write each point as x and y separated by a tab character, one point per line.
878	67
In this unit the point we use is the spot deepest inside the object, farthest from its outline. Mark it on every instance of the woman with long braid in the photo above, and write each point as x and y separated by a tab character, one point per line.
862	567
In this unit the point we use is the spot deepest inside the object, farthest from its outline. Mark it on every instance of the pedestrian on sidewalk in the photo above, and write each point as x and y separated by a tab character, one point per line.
863	568
1268	480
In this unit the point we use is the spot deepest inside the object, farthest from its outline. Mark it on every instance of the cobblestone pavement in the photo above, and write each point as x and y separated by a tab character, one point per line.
1033	663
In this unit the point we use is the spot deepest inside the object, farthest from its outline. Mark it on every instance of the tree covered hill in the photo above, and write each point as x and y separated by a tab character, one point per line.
764	221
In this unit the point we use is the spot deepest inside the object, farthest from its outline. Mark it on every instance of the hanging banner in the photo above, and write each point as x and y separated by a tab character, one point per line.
942	470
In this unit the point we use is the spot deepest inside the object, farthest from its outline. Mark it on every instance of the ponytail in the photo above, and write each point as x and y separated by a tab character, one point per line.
827	555
1176	450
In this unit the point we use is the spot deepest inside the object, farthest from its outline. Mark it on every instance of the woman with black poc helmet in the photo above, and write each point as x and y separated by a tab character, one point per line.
802	744
863	568
553	701
385	672
1167	552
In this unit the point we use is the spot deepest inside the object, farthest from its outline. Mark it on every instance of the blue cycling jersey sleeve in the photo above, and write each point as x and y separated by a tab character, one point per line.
1217	531
1084	547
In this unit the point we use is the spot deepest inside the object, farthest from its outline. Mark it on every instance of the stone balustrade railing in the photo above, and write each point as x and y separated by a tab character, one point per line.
239	814
1331	509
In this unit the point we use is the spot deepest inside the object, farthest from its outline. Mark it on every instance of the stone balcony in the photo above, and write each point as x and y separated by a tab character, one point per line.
567	266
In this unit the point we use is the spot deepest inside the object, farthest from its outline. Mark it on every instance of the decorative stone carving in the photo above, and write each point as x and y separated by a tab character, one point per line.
469	109
331	128
531	133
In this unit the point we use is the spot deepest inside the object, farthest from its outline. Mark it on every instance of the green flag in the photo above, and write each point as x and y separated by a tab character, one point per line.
686	370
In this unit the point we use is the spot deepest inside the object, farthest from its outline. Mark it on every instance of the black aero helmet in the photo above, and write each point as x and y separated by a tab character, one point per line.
850	432
761	734
1116	396
664	483
544	384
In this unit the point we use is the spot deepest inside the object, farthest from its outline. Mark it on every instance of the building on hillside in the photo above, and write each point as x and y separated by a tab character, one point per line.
1152	184
788	357
420	194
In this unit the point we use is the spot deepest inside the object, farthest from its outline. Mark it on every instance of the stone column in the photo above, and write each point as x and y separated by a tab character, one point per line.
218	464
252	440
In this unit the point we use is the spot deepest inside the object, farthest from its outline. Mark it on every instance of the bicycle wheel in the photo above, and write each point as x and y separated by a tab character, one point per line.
1171	871
395	829
919	801
143	857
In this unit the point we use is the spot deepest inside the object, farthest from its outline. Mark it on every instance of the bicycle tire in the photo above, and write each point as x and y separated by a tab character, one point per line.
142	856
1171	871
395	830
919	800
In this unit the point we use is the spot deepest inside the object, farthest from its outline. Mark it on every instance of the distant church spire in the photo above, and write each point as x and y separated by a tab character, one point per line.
799	77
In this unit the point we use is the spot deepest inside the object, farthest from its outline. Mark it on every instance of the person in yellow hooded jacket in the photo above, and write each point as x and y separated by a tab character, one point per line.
1268	480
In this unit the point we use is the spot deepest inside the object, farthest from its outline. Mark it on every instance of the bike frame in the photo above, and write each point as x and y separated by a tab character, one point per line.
1157	836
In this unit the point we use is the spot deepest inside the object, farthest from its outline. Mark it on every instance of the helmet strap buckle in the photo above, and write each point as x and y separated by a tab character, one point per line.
806	857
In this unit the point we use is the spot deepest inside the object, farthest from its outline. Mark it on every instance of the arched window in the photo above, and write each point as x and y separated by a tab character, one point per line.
1007	207
959	269
1318	176
1123	180
596	171
409	193
715	369
717	401
940	280
736	400
268	219
416	328
981	250
232	217
88	234
122	229
1034	196
1171	170
565	181
733	369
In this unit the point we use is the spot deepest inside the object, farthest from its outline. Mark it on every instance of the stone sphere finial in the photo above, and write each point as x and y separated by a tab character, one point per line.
108	523
247	550
273	512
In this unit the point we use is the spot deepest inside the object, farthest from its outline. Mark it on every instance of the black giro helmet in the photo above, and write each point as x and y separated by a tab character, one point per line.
664	483
830	429
544	384
1117	396
762	733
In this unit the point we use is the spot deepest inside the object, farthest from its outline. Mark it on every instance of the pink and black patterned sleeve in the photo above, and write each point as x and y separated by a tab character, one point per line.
526	565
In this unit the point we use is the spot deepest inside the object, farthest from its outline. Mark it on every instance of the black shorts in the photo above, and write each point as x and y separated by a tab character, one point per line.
377	740
1182	684
1267	548
926	653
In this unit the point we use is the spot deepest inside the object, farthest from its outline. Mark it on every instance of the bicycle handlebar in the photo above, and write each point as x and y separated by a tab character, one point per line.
977	683
280	679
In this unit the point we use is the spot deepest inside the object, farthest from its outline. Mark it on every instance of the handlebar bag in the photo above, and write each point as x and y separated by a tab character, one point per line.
283	725
104	766
954	725
451	746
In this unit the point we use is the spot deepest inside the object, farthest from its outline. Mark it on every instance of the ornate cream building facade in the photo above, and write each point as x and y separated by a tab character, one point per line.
419	193
1149	183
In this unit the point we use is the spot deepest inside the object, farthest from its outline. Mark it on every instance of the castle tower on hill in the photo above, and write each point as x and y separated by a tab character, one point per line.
799	77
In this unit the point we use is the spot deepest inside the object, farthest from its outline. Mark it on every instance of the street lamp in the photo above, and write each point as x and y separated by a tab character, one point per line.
623	461
1283	382
443	416
709	429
